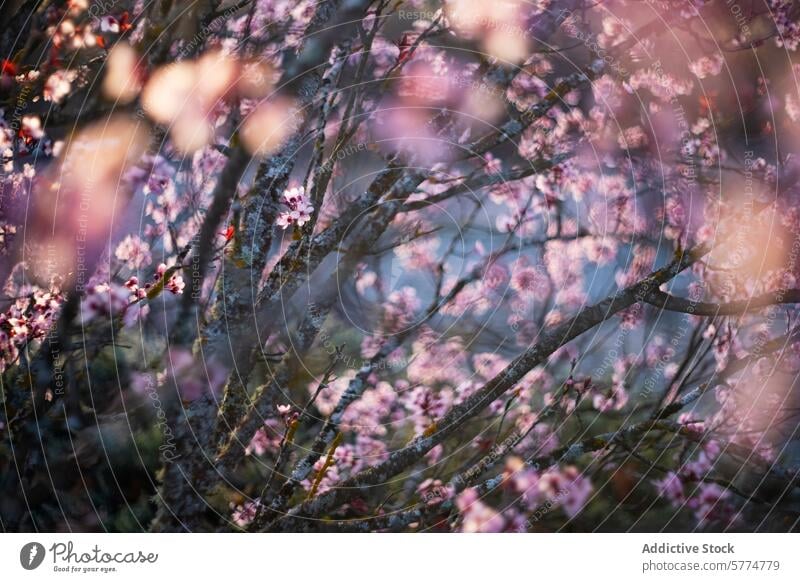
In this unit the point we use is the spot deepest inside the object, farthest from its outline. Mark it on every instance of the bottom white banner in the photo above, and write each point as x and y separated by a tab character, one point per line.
357	557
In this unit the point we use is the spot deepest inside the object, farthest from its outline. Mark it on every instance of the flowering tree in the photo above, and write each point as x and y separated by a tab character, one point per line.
399	266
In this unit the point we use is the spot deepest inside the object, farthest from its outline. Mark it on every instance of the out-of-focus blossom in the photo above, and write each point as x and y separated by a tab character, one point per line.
433	491
712	504
427	405
77	198
567	487
476	515
104	300
502	26
59	85
122	81
633	138
267	439
784	16
268	125
193	381
707	66
792	107
671	488
614	399
530	281
133	252
187	94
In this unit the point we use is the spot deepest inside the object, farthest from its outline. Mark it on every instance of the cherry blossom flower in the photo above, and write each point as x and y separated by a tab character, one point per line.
174	284
299	210
245	513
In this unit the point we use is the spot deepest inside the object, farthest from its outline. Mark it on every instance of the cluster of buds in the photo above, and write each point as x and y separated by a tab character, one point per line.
580	387
174	284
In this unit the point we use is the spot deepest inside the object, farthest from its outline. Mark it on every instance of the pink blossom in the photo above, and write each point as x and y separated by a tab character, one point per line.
530	281
707	66
478	517
59	85
433	491
244	514
671	488
614	399
134	252
712	504
104	300
299	210
633	138
266	439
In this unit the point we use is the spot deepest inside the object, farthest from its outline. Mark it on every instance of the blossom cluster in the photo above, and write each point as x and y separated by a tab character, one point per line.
298	208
